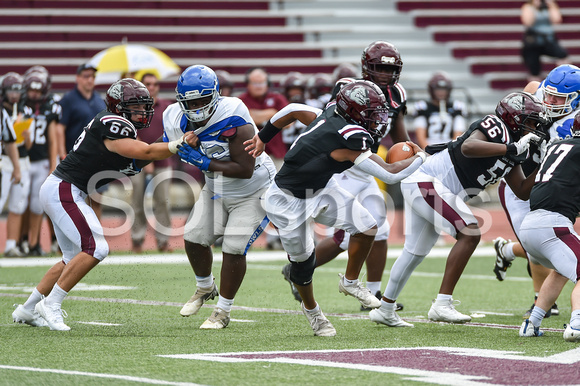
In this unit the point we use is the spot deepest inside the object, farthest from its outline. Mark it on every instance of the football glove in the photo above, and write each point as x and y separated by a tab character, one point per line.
193	156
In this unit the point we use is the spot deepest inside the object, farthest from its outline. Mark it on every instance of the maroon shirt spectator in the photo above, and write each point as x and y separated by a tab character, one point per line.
263	104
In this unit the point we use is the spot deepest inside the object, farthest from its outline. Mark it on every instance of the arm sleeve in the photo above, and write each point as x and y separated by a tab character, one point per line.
294	107
371	167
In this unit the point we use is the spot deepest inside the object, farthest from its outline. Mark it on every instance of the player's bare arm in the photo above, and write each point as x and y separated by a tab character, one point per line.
282	119
131	148
242	163
518	182
477	146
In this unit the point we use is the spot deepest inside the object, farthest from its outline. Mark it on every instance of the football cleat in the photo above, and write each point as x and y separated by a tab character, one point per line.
527	329
379	295
444	311
218	319
501	263
571	334
388	318
196	301
286	273
13	252
319	323
363	294
53	315
32	318
552	311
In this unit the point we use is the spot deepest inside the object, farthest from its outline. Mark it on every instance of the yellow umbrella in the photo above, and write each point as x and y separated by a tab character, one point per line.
114	61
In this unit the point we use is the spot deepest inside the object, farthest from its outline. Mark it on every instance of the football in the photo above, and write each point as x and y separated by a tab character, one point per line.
399	152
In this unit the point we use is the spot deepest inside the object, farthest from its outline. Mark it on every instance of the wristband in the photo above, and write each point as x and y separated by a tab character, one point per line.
511	149
172	146
268	132
423	156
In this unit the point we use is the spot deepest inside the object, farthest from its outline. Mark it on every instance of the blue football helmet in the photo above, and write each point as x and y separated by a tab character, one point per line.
197	82
562	81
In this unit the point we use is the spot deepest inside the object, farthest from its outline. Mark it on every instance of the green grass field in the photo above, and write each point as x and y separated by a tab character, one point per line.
118	333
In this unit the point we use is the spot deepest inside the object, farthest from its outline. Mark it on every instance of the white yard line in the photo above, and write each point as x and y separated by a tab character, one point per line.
99	375
275	311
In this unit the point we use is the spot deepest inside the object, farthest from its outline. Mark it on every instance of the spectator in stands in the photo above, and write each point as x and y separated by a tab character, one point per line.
161	171
440	119
79	106
226	83
263	104
15	193
539	18
41	106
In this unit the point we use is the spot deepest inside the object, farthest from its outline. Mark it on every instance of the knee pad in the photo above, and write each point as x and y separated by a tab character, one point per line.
101	250
301	273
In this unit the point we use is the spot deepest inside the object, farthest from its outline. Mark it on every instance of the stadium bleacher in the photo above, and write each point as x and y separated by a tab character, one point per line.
488	34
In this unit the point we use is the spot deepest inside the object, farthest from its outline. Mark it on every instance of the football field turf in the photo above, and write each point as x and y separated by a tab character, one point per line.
126	329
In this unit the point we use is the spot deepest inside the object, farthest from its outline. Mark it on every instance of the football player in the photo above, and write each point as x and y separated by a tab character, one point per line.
492	147
560	93
226	83
382	65
547	231
7	134
229	203
16	194
106	150
42	108
305	192
319	90
294	89
440	119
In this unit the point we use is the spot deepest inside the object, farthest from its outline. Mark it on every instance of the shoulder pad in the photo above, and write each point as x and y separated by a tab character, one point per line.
420	105
117	127
56	109
401	90
459	106
503	137
343	81
356	137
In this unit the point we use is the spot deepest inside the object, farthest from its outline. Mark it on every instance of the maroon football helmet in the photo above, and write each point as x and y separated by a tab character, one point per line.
11	81
344	70
293	79
224	79
319	84
363	103
521	111
294	85
42	71
378	58
576	126
36	81
11	84
439	80
124	95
